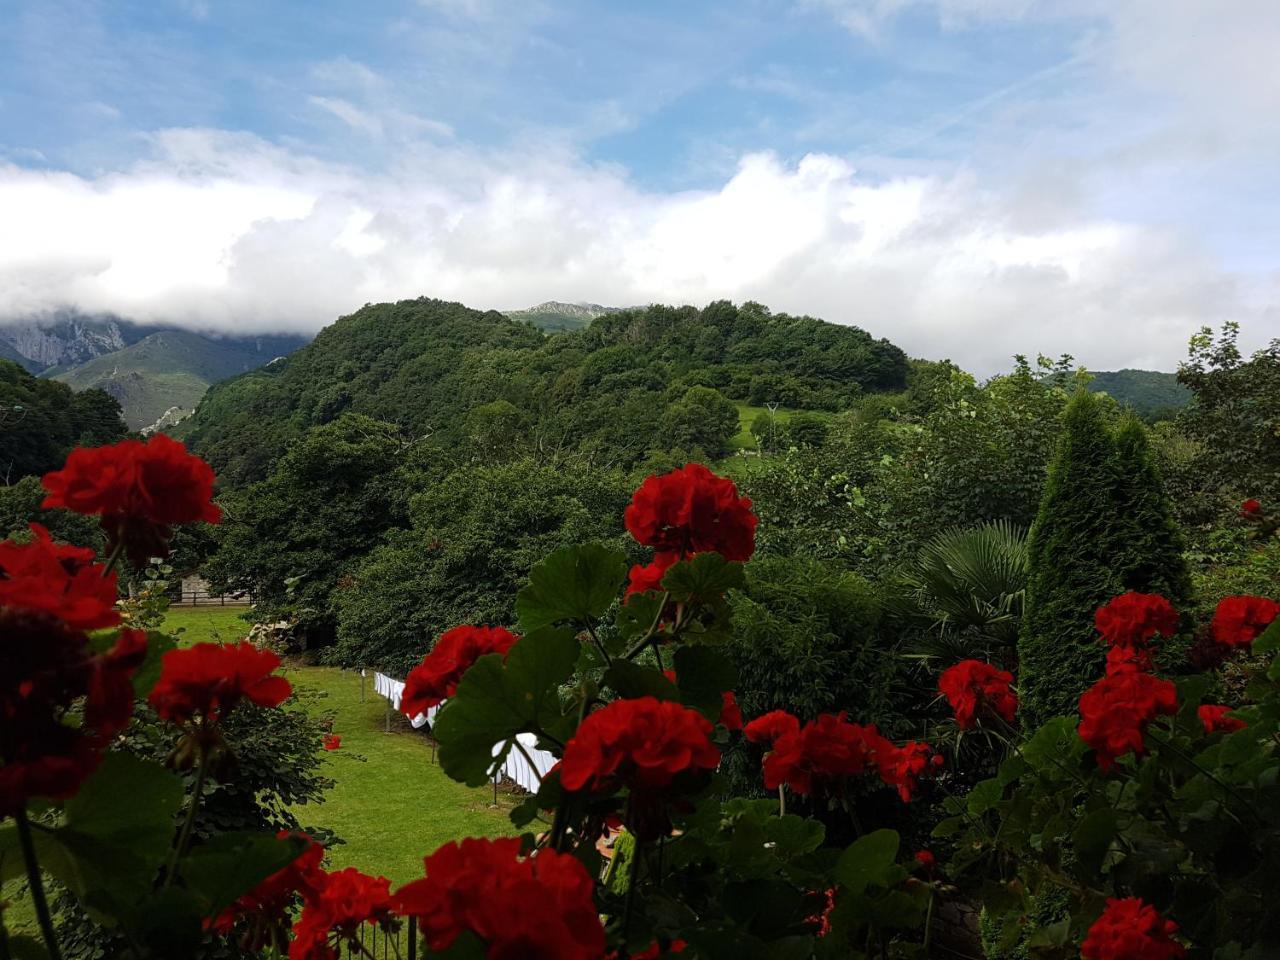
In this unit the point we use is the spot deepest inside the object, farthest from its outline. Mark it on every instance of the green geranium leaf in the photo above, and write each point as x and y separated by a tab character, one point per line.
231	864
703	675
704	578
1269	640
496	700
632	680
129	802
867	861
574	584
145	677
1092	837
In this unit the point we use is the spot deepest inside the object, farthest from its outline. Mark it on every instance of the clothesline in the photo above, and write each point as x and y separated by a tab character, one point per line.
515	767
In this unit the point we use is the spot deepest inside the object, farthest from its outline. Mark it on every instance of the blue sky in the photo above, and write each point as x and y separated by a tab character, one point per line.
971	178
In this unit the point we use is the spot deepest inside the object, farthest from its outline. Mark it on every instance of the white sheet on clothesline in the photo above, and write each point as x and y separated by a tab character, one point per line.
515	767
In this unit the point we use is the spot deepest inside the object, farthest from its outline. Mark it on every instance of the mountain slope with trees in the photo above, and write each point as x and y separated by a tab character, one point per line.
631	383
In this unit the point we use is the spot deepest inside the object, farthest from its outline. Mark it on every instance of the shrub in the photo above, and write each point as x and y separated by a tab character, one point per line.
806	639
1103	528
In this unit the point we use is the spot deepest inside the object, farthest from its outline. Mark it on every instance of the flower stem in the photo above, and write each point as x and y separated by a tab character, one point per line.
184	838
113	557
36	882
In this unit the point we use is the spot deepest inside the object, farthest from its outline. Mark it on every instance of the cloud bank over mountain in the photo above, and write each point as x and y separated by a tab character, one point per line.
975	233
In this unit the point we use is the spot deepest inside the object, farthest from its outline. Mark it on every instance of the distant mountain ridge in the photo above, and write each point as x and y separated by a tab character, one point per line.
554	316
1151	393
153	371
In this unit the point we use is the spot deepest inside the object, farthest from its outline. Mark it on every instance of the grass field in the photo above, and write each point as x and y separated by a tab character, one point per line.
389	803
743	440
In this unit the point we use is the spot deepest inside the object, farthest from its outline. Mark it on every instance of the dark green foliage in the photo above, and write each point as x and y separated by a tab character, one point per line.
276	767
610	392
1104	527
20	506
806	639
806	430
702	420
1235	416
474	537
1148	542
1070	554
41	421
292	538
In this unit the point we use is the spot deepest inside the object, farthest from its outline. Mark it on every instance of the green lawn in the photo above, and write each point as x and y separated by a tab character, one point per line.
389	803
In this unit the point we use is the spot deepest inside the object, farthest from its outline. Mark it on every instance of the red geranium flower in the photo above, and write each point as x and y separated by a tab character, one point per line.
971	685
903	767
1132	619
770	727
646	743
46	667
139	489
690	511
339	904
1250	508
1115	711
1239	620
45	577
818	755
268	904
1129	660
1130	929
654	951
539	906
643	579
210	679
332	741
928	862
1215	720
436	677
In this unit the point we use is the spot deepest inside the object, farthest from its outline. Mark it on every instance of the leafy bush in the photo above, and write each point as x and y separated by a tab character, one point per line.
806	639
472	541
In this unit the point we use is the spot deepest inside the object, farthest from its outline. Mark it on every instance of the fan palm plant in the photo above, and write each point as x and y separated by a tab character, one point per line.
966	592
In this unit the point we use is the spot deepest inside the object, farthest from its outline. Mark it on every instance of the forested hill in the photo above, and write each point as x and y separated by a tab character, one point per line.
653	378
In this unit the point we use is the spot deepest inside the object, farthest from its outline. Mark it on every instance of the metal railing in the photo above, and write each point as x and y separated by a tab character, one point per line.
383	944
180	597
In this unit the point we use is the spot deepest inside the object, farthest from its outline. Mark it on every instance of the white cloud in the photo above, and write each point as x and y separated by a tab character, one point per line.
231	232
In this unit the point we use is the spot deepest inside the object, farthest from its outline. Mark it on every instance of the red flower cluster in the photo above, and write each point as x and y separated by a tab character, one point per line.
139	489
648	577
1239	620
1250	509
645	743
436	677
45	577
1215	720
539	906
1132	619
730	713
690	511
928	862
1130	929
268	904
830	749
332	741
1115	711
339	903
210	679
971	685
655	952
46	666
